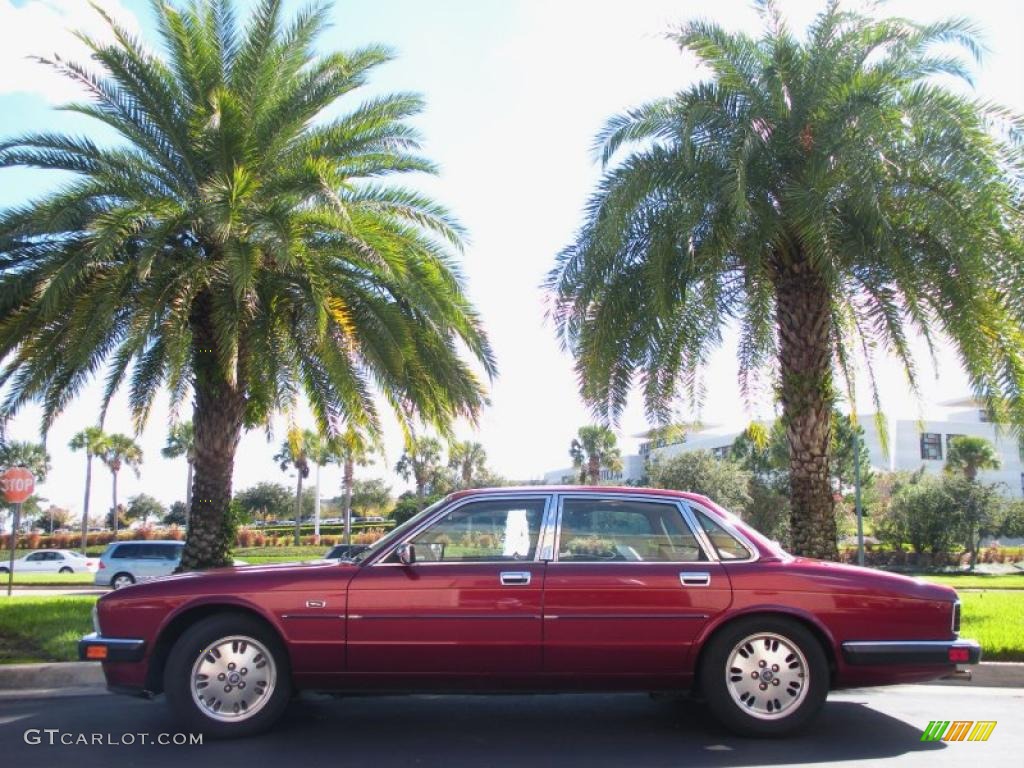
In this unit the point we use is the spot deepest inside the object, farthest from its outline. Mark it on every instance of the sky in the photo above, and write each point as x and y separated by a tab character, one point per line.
515	92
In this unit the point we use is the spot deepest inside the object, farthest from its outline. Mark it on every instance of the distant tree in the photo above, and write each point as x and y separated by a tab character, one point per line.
177	514
595	448
266	501
117	451
146	508
181	441
370	495
353	447
421	464
120	521
1011	524
294	454
53	518
89	440
726	482
409	504
968	455
468	459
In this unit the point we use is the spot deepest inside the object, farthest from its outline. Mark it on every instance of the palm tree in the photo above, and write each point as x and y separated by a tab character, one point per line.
181	440
595	447
352	447
240	245
420	463
320	451
117	451
469	460
295	453
824	193
89	440
967	454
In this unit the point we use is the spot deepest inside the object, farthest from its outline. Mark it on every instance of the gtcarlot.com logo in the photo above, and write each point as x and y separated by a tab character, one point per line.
55	736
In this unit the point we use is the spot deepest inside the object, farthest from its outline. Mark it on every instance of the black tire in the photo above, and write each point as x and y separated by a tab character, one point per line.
715	665
118	576
65	569
190	647
4	570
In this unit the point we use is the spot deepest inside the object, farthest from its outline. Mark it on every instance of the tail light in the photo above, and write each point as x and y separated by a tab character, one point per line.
102	565
959	655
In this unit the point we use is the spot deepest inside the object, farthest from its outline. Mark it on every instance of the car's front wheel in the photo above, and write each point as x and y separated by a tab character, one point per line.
65	569
228	675
765	676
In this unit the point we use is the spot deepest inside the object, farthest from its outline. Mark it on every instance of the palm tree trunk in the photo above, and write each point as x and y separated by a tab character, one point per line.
188	487
85	503
298	506
349	471
803	319
593	470
218	413
114	475
316	509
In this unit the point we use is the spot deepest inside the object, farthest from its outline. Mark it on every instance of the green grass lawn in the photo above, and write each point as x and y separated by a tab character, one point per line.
43	628
48	579
977	580
996	620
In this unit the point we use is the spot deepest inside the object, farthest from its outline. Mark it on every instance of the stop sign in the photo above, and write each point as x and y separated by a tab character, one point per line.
18	484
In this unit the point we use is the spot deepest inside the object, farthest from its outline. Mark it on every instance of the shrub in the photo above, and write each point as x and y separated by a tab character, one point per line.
721	480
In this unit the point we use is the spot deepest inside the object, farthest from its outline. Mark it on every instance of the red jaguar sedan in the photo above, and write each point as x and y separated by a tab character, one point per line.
533	590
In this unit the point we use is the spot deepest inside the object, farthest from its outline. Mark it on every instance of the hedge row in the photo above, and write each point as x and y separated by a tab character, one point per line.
890	557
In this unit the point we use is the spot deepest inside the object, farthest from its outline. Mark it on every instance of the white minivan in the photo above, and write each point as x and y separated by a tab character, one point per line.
125	562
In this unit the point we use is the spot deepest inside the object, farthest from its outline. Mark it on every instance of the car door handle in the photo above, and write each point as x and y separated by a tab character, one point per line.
694	578
515	578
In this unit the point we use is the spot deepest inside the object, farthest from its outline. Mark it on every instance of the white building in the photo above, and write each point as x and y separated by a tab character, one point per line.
913	443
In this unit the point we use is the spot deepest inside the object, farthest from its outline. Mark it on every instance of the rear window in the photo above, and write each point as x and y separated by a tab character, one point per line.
727	545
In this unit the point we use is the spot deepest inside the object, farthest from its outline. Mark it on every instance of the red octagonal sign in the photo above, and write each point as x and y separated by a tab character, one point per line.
18	484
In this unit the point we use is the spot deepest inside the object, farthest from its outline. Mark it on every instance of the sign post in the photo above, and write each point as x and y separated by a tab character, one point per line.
18	484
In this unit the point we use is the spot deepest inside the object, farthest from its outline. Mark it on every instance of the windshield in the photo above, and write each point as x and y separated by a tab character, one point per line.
398	532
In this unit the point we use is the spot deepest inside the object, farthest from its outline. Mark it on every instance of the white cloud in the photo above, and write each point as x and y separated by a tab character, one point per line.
46	27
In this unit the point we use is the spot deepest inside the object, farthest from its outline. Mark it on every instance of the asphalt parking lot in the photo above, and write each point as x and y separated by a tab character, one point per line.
862	727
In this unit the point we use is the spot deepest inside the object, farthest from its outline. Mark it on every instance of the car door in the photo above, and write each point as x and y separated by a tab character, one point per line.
469	604
630	588
34	563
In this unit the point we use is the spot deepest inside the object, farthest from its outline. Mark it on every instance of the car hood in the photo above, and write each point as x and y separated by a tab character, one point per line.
243	578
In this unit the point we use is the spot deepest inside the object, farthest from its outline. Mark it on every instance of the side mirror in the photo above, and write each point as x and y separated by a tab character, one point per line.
406	553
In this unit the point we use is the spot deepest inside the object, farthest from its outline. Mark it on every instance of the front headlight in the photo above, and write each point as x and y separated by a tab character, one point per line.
96	619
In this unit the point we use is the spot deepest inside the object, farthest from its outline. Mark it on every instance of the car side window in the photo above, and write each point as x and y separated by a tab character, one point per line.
36	557
484	531
727	545
596	530
126	552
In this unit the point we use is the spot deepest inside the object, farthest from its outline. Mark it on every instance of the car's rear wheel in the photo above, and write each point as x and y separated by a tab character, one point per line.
122	580
765	676
228	675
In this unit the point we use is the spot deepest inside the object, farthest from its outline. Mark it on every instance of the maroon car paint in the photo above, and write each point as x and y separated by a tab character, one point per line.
575	626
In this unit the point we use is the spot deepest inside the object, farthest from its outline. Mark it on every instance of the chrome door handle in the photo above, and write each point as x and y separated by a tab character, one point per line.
694	578
515	578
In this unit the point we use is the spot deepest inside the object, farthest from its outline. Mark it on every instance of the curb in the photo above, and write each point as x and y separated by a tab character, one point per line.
87	676
991	674
56	675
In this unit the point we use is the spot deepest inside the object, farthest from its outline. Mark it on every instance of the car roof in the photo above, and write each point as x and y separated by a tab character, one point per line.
150	541
610	490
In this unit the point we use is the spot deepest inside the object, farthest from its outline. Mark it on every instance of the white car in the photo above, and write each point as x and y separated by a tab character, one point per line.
52	561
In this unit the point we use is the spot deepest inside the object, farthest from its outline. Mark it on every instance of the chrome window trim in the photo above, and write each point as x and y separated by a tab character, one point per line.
702	543
547	496
754	552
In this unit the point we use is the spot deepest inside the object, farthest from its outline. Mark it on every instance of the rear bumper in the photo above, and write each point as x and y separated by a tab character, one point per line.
114	648
911	652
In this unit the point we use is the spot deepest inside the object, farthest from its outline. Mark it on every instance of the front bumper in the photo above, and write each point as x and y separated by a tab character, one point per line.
911	652
110	648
